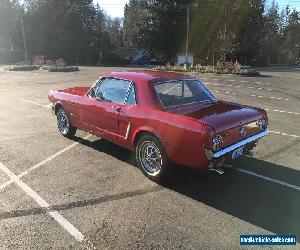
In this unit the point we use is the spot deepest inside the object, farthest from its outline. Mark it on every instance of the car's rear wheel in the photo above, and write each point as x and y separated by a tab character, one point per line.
152	158
63	123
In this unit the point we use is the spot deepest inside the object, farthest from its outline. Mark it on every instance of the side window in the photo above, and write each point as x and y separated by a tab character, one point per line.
111	90
131	98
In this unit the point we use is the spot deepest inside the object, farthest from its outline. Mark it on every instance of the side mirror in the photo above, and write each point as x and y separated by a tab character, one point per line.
100	96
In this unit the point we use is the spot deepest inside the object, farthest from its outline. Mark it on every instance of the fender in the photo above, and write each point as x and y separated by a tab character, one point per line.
145	129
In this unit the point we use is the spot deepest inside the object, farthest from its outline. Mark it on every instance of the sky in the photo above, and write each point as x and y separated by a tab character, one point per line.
292	3
115	8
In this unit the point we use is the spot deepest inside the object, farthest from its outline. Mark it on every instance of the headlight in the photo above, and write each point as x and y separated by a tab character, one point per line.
261	124
217	143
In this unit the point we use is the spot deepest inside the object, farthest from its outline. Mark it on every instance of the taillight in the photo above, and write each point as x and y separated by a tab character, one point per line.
217	143
262	124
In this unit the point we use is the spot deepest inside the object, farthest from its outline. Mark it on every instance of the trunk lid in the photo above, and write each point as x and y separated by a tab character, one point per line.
225	118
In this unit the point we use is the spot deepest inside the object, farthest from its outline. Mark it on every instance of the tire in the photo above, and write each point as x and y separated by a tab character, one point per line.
152	159
63	124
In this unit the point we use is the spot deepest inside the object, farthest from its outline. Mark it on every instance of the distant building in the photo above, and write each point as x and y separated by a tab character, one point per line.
181	58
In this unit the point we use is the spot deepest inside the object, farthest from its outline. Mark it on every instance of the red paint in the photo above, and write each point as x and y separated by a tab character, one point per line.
184	131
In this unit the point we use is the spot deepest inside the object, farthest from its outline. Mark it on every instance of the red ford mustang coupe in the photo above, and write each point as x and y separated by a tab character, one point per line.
164	117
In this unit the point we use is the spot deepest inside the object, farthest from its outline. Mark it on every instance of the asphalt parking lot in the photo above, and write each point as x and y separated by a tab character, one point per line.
88	193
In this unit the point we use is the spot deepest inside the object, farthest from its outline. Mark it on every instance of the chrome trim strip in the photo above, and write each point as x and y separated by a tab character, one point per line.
127	131
191	103
240	143
131	86
127	93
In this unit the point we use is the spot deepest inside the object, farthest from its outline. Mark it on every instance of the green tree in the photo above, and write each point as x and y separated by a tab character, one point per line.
272	35
10	33
62	28
137	26
291	42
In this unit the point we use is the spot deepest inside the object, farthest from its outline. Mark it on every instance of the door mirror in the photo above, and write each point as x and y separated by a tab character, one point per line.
100	96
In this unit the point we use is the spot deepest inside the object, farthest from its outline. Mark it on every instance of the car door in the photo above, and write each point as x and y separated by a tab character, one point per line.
127	117
101	108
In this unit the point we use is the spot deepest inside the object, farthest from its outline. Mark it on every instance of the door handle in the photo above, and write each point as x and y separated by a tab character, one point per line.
116	108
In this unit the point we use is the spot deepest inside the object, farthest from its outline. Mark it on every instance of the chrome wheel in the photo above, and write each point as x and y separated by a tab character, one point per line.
150	158
63	122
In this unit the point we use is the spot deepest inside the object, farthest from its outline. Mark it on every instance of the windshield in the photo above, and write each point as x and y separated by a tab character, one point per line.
176	93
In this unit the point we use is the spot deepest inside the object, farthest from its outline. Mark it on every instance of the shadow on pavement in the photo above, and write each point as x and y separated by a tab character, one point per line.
257	201
260	202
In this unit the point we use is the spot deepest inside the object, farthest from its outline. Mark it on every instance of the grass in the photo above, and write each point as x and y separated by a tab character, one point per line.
21	67
60	69
44	67
208	69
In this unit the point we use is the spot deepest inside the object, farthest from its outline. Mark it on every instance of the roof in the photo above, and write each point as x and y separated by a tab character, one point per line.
148	75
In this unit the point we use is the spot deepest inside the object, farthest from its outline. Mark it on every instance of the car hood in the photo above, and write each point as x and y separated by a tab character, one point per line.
221	115
80	91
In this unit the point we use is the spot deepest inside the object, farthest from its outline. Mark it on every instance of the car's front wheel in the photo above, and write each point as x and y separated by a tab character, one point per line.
152	158
63	123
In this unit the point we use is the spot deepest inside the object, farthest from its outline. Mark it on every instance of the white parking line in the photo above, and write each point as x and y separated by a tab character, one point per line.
282	183
258	96
260	83
272	110
44	204
40	164
168	90
284	134
282	111
32	102
239	86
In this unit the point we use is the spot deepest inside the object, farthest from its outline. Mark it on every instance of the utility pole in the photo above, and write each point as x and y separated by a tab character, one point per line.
187	6
187	34
24	40
11	43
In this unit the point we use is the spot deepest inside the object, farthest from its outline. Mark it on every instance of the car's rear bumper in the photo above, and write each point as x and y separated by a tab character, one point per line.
213	155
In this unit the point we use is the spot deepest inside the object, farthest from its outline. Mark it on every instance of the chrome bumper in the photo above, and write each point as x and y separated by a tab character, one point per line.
210	155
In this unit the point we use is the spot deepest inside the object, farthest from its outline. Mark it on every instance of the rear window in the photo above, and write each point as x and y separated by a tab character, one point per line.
176	93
